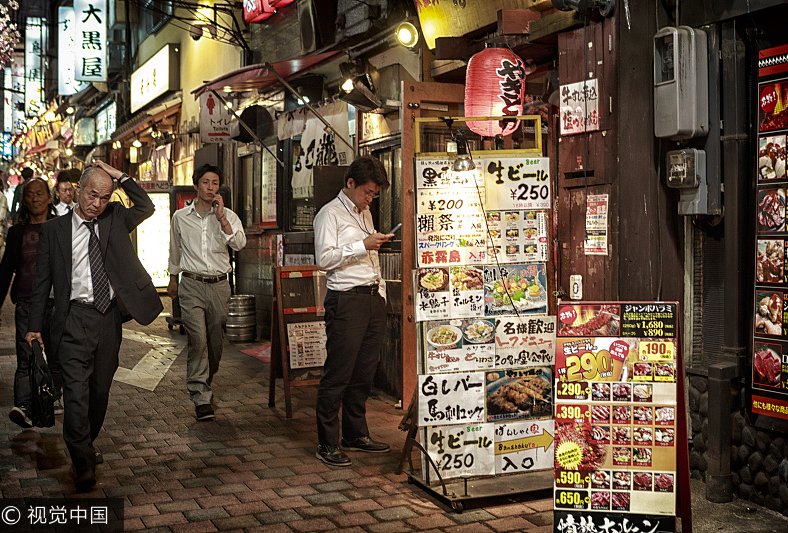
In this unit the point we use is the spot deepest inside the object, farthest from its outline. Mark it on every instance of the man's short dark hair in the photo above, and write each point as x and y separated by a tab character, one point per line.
69	175
27	173
204	169
367	168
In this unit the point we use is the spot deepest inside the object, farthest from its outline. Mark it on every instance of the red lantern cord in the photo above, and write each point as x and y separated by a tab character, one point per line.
494	87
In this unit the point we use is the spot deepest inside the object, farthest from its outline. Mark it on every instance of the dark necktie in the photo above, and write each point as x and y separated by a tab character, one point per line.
97	272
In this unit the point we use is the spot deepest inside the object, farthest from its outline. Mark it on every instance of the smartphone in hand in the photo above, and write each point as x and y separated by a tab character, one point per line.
394	229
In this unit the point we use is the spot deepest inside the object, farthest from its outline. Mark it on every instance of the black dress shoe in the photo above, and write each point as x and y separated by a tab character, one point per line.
98	458
85	480
332	456
365	444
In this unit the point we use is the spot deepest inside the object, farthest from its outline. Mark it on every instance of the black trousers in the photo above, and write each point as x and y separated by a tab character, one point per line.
355	324
89	358
22	393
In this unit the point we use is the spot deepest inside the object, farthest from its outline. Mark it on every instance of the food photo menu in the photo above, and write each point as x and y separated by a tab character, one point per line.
615	409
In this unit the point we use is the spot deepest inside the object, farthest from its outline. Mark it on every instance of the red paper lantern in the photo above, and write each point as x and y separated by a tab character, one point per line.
494	87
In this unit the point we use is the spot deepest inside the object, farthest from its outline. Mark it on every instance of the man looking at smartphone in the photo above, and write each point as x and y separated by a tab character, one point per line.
199	236
346	247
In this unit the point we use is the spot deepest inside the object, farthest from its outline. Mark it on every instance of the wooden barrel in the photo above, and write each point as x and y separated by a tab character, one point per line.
241	319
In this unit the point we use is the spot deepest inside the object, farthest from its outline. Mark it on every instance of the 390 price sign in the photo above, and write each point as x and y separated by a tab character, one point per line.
576	413
572	499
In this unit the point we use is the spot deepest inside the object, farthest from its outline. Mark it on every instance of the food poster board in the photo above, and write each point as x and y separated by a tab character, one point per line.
616	410
307	342
486	345
767	387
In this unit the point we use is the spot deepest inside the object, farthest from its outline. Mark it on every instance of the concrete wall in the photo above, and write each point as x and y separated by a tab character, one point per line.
759	459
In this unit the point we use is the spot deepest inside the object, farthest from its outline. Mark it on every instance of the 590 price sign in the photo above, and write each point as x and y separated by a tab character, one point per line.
571	479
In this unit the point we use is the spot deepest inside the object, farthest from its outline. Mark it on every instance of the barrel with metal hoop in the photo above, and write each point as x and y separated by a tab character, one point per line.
241	319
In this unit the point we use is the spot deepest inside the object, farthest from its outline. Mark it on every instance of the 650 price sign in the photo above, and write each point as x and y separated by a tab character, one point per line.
572	499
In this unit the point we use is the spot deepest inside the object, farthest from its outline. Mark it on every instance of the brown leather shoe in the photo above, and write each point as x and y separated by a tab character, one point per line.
332	456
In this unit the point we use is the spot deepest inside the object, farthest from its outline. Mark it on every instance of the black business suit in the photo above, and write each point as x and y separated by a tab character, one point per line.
88	341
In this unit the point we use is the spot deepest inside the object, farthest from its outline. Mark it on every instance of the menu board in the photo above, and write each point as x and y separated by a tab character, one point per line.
615	410
768	377
307	342
486	345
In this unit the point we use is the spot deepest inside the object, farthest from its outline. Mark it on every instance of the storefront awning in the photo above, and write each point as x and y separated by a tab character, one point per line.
259	76
143	119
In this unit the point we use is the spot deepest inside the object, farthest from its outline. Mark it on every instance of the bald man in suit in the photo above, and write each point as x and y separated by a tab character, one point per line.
89	262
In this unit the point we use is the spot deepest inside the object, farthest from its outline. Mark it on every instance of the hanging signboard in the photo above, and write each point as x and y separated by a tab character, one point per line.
91	52
18	96
579	107
215	119
320	146
67	83
35	42
616	412
156	76
105	122
85	132
768	377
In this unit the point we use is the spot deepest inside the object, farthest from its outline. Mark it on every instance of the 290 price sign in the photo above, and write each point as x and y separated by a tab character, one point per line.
578	390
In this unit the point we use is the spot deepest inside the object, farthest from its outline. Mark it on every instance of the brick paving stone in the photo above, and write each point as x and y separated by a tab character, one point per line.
168	519
304	479
360	505
477	516
326	499
255	495
353	519
389	527
205	514
333	486
122	491
200	482
295	491
230	488
316	524
225	524
206	526
541	519
195	492
313	511
149	497
220	500
269	528
140	510
541	505
430	521
274	517
286	503
515	509
470	528
510	523
394	513
247	508
179	505
275	473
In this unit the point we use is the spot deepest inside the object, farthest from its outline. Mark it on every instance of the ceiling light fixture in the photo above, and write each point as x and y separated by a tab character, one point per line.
70	110
136	143
407	34
348	85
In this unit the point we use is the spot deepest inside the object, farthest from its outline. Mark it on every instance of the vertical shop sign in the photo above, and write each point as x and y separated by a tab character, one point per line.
91	40
579	107
18	97
596	224
35	39
616	411
67	83
8	115
321	146
768	378
215	119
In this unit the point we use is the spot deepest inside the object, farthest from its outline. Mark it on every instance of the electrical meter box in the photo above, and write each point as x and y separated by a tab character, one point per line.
681	83
687	172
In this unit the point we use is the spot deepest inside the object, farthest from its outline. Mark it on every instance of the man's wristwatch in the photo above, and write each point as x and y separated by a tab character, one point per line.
123	177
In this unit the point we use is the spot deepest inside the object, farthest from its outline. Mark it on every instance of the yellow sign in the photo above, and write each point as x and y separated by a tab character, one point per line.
568	455
656	351
532	442
455	19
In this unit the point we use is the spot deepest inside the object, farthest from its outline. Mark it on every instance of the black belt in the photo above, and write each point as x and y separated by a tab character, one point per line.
205	279
90	305
364	289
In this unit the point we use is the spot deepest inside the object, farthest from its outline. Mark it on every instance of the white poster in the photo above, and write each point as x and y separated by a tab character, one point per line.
524	446
517	236
522	341
447	399
514	183
579	107
215	119
35	41
307	341
91	49
596	224
460	451
67	82
458	345
321	146
153	240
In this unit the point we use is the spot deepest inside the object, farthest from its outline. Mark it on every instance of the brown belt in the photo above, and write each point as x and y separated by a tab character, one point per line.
204	279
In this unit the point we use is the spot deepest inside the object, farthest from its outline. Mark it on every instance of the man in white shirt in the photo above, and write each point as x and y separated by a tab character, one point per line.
65	191
346	246
199	236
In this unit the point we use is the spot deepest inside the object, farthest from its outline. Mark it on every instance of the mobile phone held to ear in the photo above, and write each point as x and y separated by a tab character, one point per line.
215	204
394	229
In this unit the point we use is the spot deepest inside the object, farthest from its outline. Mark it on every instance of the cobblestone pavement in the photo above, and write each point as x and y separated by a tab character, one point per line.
253	469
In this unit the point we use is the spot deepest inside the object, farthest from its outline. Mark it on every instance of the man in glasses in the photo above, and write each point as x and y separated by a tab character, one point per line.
346	247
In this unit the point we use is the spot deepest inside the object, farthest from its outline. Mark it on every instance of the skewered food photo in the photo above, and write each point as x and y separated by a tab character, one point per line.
515	397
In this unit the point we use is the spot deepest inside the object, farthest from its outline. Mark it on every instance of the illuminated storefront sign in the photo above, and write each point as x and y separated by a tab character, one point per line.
18	96
85	132
105	123
67	82
155	77
8	116
35	37
91	40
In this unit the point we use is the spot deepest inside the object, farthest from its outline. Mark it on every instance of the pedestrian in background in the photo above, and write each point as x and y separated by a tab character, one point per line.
27	175
65	190
346	247
89	262
19	263
199	236
3	215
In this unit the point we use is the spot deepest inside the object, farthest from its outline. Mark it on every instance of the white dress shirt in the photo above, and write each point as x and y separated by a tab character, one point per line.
198	244
340	230
62	208
81	279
